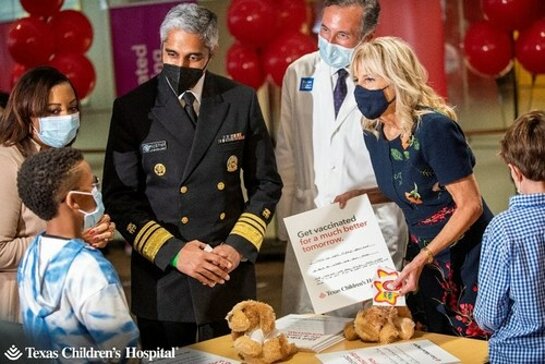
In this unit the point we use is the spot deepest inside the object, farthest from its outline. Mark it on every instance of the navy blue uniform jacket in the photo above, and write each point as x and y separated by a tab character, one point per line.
167	183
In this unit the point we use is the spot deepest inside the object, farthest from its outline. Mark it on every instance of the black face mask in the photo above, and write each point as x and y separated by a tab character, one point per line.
182	79
372	103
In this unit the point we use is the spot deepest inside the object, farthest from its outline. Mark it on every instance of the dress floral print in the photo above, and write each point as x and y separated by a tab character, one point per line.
412	172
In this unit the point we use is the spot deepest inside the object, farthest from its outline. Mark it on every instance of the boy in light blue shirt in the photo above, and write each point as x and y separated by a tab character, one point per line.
71	296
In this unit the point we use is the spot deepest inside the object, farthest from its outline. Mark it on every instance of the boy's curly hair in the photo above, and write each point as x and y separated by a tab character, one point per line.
45	179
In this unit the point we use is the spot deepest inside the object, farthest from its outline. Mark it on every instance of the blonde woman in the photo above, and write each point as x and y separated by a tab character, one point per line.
423	163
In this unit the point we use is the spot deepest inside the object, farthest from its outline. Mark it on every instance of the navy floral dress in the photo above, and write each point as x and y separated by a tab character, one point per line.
413	175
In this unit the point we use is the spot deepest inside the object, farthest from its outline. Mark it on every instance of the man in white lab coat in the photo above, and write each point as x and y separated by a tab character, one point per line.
320	148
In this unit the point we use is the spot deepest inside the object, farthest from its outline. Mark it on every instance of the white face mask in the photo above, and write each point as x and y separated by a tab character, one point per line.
59	130
91	219
334	55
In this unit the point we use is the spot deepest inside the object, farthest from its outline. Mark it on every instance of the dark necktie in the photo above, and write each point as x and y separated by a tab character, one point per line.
339	93
189	98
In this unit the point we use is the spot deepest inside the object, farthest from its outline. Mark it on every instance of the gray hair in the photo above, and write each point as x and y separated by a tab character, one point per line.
192	18
371	11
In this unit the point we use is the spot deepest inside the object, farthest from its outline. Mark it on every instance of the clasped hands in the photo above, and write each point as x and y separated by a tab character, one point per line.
210	267
101	234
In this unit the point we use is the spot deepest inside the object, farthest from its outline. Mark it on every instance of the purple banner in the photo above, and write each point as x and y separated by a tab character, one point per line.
136	44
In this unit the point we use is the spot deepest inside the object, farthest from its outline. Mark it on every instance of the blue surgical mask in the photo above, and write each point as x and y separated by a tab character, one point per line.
91	219
59	130
334	55
372	103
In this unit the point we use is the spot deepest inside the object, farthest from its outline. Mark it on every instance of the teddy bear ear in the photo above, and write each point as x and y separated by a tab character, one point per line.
267	318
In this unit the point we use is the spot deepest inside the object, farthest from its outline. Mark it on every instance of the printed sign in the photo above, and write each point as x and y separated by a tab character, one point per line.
338	251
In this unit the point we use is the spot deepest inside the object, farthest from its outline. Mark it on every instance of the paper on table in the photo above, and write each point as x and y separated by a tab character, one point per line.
408	352
312	332
338	252
191	356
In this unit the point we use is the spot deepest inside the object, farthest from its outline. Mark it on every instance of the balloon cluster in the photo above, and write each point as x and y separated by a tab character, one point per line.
268	38
489	45
49	36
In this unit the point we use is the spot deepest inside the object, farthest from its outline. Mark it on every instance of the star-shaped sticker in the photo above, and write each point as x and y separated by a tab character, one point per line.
386	292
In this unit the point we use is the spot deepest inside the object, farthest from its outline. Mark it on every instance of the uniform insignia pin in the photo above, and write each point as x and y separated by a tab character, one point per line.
232	163
160	169
131	228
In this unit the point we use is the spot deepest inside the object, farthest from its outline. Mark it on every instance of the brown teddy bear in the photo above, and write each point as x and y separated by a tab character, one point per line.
381	324
255	338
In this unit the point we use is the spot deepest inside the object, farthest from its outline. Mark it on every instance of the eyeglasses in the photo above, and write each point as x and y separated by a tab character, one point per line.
96	183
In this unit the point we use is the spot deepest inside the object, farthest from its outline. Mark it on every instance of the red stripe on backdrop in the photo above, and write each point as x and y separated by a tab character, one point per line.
6	62
420	23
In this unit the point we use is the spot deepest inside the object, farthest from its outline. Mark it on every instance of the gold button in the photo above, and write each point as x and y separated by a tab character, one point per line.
185	220
221	186
222	216
183	189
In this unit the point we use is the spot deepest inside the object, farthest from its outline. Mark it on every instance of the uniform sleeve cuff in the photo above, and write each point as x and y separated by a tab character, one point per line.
245	249
168	252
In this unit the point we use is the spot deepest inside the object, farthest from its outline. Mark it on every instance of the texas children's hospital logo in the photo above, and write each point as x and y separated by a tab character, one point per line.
13	353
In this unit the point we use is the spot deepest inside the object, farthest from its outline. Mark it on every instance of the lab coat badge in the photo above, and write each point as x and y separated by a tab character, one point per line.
306	84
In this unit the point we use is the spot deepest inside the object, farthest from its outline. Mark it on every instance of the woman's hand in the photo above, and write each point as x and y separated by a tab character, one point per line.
100	235
410	275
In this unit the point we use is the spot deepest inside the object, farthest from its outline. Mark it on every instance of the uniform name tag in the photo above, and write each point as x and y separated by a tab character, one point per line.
154	146
306	84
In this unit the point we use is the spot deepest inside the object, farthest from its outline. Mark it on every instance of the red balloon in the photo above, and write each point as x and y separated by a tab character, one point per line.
30	41
244	65
530	47
293	14
285	49
510	14
78	69
488	50
252	22
72	30
44	8
16	72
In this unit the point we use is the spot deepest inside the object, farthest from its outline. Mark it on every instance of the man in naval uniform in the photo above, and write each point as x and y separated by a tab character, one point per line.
172	183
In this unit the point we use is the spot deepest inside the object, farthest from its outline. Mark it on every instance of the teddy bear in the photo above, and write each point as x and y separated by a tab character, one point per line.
254	334
381	324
